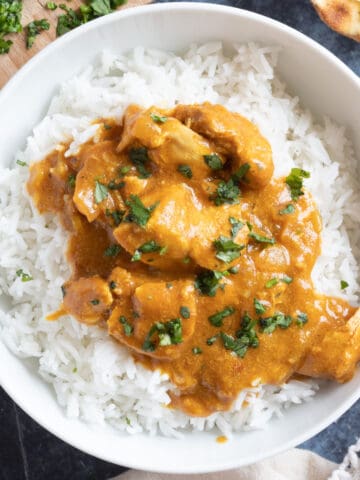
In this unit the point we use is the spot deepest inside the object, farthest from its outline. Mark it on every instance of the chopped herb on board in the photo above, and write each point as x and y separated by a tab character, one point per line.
51	5
33	29
10	22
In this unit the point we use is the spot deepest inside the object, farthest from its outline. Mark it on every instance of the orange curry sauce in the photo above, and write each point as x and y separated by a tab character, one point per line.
190	253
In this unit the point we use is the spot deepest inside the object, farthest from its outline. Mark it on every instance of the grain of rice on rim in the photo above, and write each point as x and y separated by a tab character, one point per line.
95	378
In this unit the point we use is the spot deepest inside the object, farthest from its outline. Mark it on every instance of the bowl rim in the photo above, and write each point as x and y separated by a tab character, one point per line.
69	37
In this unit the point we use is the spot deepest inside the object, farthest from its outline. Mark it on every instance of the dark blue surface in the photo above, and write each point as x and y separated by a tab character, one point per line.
28	452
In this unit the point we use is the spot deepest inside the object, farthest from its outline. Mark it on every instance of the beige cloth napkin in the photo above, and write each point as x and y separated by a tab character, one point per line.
292	465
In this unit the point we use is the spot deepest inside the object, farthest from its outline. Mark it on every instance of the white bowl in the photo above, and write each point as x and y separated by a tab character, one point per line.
322	82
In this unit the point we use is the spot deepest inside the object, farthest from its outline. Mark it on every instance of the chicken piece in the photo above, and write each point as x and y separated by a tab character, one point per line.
172	225
157	332
343	16
98	186
336	355
87	299
168	142
234	136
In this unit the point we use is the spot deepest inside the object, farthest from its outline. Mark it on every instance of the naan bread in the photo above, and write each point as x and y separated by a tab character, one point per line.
343	16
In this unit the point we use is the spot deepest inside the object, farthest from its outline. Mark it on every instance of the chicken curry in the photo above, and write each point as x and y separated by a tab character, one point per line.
187	249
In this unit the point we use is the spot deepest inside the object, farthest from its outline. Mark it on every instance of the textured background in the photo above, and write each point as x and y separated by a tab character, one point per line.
28	452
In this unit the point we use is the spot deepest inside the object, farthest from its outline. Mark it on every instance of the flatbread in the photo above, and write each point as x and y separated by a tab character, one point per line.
343	16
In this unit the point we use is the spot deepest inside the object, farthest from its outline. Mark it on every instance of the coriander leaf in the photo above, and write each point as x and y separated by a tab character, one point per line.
138	212
124	170
117	216
35	28
71	180
234	270
185	170
259	307
69	20
210	341
112	285
169	333
217	318
226	192
100	7
25	277
147	247
95	301
208	281
115	186
288	209
158	118
10	22
343	284
196	350
302	318
240	174
226	249
51	5
261	238
269	324
21	163
139	158
213	161
286	279
112	251
295	182
128	329
185	312
236	226
5	46
100	192
272	282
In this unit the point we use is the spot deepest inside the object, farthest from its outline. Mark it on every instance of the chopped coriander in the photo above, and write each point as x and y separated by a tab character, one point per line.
128	422
217	318
163	250
240	174
112	285
343	284
236	226
169	333
237	345
51	5
107	126
186	260
117	216
95	301
115	186
196	350
259	307
250	227
21	163
112	250
211	340
213	161
185	312
302	318
185	170
272	282
124	170
10	22
74	370
138	212
158	118
208	281
269	324
100	192
128	329
261	238
295	182
246	336
234	270
226	249
226	192
286	279
5	45
68	21
288	209
71	180
25	277
33	29
169	285
139	158
147	247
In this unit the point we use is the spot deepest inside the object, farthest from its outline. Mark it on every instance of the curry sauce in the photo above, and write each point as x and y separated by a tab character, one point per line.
187	249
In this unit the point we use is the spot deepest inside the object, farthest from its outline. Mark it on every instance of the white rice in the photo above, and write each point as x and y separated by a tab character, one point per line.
94	377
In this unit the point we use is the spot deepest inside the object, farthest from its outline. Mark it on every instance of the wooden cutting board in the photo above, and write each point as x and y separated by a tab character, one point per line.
34	10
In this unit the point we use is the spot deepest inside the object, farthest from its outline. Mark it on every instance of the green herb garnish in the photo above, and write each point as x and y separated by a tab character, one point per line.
147	247
288	209
33	29
112	185
226	249
234	270
210	341
295	182
286	279
226	192
213	161
169	333
196	350
272	282
51	5
158	118
139	158
269	324
138	212
343	284
117	216
236	226
21	163
128	329
261	238
185	170
112	285
112	251
240	174
208	281
259	307
185	312
100	192
25	277
95	301
217	318
10	22
302	318
71	180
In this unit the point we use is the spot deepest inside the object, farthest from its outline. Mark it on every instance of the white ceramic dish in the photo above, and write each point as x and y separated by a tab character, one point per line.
323	83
